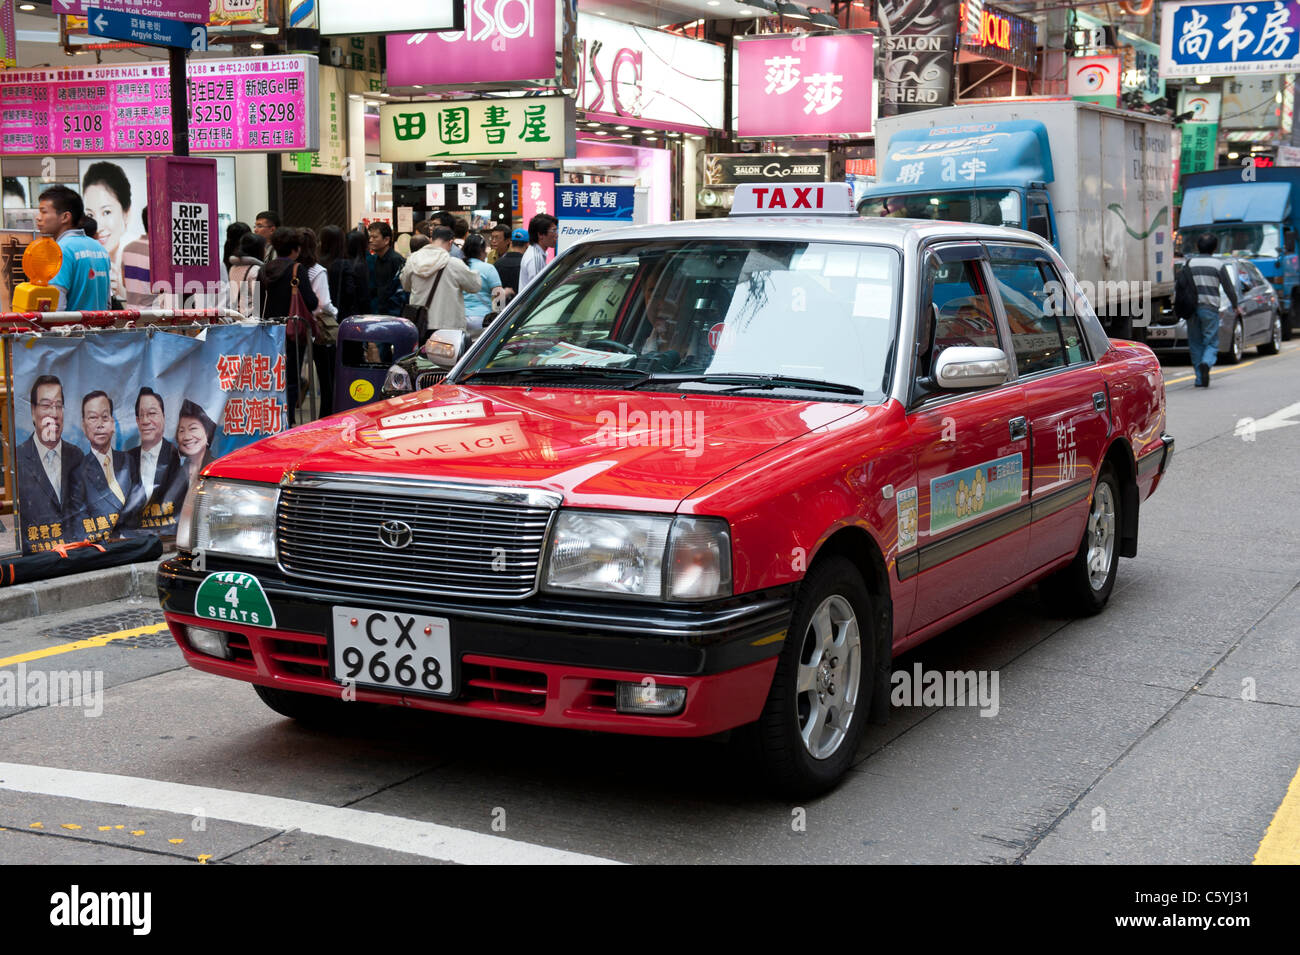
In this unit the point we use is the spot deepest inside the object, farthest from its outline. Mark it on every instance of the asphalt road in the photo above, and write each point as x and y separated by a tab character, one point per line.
1166	730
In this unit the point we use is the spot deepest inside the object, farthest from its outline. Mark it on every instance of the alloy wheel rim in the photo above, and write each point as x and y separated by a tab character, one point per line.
1237	336
1101	536
829	677
1277	331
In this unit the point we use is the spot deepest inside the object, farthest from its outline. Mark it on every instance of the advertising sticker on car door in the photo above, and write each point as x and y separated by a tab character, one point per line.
974	492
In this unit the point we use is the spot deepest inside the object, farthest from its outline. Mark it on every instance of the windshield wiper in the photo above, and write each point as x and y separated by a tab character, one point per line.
634	376
749	382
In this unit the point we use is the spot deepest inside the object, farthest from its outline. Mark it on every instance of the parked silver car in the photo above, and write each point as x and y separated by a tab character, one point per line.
1260	322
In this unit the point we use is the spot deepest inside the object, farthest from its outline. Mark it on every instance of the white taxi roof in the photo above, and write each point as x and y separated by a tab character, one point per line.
900	233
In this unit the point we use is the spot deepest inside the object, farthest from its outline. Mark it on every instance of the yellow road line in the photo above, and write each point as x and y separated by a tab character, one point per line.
87	644
1281	843
1229	368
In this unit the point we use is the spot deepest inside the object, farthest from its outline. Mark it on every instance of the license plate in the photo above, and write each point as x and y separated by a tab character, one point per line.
1156	332
404	652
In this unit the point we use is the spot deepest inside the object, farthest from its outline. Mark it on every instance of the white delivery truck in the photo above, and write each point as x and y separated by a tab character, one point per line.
1096	182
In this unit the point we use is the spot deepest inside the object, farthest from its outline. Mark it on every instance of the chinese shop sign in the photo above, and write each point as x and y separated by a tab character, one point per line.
1216	39
806	85
588	209
250	105
1200	134
8	36
538	127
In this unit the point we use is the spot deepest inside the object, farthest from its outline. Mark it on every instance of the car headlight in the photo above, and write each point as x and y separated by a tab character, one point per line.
656	557
396	382
234	518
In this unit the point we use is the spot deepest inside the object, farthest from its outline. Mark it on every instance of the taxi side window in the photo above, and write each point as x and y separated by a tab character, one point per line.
961	311
1032	311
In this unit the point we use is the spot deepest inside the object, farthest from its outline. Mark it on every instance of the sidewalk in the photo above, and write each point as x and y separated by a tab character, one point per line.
23	601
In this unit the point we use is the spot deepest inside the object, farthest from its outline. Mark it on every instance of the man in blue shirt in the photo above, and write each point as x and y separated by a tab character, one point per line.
83	279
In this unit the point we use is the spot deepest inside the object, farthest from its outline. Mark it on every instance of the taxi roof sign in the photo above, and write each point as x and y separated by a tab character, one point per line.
808	199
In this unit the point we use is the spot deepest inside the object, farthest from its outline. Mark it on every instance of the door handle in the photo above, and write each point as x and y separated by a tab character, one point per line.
1019	429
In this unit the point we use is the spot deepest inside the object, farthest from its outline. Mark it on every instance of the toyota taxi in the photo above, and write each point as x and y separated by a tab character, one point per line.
698	477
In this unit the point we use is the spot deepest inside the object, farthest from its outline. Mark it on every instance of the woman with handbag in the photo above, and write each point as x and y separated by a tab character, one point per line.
324	344
287	294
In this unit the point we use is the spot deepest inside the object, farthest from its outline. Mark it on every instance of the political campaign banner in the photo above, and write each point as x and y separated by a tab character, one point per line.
111	430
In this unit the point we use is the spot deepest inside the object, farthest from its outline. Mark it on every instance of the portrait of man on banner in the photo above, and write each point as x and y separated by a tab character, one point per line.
50	501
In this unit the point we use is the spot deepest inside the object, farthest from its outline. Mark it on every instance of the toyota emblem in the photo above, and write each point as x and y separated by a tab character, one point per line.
395	534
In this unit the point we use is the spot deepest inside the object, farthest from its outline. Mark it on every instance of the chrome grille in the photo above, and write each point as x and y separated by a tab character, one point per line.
328	530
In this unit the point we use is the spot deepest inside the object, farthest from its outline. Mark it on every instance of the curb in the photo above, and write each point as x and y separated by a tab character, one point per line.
75	591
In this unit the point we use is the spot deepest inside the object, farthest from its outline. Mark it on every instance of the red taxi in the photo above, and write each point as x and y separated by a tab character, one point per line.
698	477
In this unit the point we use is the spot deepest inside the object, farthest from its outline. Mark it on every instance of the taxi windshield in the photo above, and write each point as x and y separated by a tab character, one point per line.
706	314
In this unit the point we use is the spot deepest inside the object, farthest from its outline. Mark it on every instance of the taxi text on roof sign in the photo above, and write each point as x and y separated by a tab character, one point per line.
830	198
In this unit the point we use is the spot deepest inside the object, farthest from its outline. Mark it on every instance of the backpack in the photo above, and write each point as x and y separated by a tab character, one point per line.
1185	294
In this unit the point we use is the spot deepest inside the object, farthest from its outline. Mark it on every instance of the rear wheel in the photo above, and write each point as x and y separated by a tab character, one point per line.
1274	343
817	707
1084	586
1238	346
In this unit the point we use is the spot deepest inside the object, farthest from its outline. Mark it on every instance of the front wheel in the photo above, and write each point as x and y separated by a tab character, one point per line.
1084	586
817	707
1274	343
306	708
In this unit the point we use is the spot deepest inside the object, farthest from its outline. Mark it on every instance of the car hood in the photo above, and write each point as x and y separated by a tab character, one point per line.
626	449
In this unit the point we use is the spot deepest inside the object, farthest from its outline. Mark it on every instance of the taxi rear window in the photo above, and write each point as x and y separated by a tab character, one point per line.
814	310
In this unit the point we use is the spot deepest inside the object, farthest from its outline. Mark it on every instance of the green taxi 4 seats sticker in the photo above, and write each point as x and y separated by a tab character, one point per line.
233	597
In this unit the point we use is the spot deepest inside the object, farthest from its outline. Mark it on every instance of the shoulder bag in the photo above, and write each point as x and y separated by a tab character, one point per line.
300	325
419	314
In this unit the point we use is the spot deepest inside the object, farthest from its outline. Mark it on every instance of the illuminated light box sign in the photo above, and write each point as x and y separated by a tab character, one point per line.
998	35
806	85
348	17
263	105
533	127
511	42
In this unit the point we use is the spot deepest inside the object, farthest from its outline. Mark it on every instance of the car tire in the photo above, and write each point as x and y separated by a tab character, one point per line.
801	742
1274	343
1233	355
307	708
1083	587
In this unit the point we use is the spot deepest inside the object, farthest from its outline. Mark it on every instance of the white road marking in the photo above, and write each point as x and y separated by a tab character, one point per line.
273	812
1278	419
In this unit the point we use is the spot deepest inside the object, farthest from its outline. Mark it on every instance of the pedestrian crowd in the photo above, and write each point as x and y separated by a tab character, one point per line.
441	275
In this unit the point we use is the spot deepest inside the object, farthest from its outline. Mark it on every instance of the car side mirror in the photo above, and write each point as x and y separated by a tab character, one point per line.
445	346
962	367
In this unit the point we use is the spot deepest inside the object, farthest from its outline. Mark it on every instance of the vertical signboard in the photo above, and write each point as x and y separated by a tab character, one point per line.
917	52
8	36
1200	134
331	158
538	195
182	222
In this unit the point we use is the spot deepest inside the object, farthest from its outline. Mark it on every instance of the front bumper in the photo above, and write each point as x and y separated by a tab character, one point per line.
545	661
